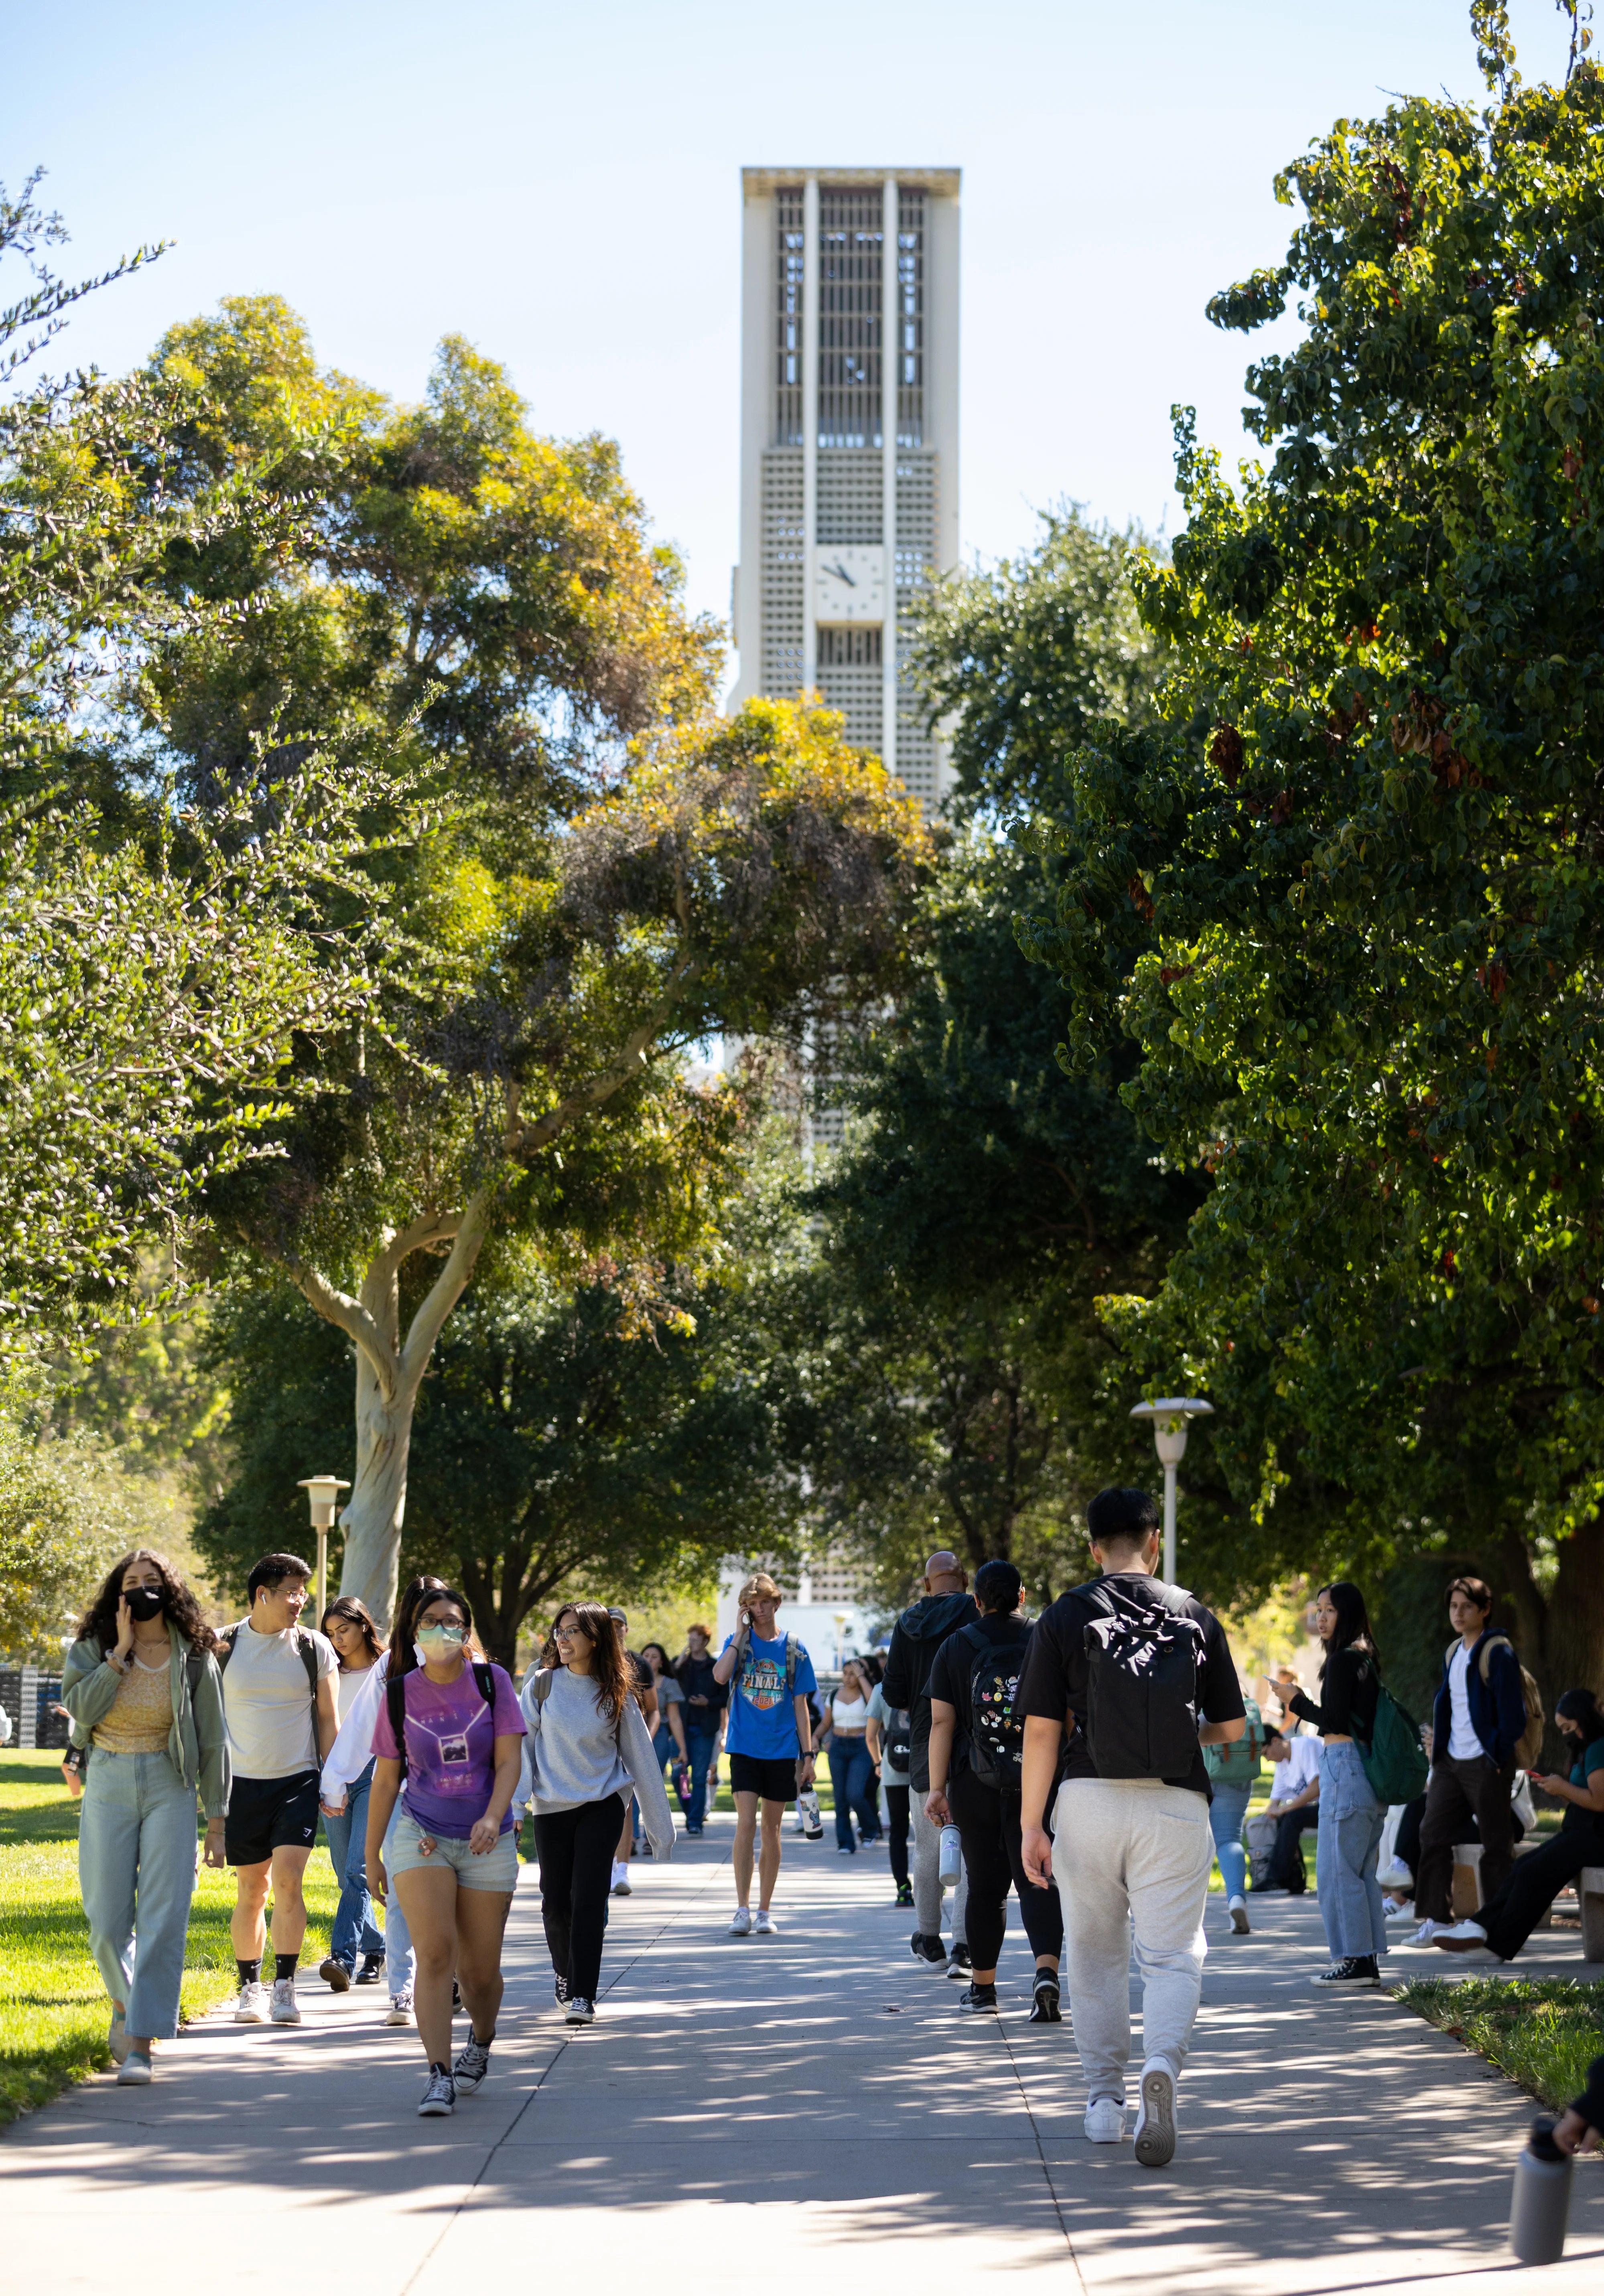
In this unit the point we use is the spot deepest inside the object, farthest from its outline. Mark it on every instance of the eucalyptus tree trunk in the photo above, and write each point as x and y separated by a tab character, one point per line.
390	1372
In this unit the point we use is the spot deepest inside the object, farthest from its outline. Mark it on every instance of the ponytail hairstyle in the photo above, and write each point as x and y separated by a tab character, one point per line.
609	1669
1352	1621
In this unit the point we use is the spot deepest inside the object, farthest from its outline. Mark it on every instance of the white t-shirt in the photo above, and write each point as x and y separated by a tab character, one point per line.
1463	1744
352	1680
268	1700
1300	1768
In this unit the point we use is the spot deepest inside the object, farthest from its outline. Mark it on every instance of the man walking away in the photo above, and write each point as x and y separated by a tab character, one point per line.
1479	1716
705	1698
769	1739
279	1701
919	1634
1138	1678
977	1737
1273	1837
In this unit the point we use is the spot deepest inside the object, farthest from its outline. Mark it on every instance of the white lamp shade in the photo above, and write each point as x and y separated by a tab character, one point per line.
323	1496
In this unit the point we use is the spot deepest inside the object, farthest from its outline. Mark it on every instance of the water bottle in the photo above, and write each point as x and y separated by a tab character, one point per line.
806	1810
952	1857
1542	2200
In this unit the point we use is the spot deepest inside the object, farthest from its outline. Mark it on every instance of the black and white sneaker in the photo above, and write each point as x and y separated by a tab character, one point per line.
929	1952
1356	1969
559	1989
580	2012
440	2095
472	2066
959	1965
979	1998
1044	2008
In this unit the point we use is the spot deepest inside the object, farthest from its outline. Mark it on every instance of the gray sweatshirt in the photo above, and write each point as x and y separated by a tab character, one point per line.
576	1753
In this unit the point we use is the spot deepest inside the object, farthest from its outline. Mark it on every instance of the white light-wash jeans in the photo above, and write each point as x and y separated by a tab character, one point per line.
1347	1846
927	1877
1131	1849
397	1937
136	1853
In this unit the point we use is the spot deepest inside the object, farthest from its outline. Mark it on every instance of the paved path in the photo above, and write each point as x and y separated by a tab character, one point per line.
751	2115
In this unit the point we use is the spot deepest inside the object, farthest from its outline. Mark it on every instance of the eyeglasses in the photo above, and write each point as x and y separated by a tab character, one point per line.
568	1634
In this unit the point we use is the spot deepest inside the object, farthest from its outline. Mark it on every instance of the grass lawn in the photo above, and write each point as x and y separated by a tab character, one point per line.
54	2012
1544	2032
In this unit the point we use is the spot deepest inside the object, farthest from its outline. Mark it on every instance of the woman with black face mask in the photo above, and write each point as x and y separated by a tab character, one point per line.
1513	1911
146	1702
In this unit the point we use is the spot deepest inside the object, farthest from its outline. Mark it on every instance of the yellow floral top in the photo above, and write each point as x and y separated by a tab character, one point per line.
141	1718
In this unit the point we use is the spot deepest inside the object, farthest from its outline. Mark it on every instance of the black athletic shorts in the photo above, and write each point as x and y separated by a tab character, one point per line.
774	1778
269	1814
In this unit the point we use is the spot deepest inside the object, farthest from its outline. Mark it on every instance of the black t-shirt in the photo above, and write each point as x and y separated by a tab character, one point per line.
954	1665
1054	1677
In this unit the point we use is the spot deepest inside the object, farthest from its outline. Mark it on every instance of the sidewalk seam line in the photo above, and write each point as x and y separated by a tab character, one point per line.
1047	2174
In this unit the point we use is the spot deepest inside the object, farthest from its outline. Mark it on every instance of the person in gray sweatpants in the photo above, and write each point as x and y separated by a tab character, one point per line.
944	1607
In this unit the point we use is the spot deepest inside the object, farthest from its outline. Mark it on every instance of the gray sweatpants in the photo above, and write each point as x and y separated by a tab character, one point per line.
927	1879
1131	1853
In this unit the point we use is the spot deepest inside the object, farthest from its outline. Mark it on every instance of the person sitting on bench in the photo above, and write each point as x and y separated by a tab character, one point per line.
1508	1918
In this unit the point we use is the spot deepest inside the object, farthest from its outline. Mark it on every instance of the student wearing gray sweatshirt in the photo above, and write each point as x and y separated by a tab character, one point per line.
587	1748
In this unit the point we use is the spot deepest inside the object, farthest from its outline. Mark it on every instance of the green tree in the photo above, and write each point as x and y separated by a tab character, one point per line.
1355	932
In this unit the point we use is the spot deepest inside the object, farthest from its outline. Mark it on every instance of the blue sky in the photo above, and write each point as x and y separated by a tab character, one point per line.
562	184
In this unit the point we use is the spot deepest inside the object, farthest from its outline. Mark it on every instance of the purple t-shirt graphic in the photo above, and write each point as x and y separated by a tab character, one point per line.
451	1737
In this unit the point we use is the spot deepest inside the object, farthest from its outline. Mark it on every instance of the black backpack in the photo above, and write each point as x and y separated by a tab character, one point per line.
996	1728
1143	1666
896	1741
395	1702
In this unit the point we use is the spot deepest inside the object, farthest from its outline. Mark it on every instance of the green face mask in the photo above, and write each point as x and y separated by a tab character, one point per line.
439	1641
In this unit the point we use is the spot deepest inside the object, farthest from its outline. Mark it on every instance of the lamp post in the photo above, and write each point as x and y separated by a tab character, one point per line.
1170	1415
322	1496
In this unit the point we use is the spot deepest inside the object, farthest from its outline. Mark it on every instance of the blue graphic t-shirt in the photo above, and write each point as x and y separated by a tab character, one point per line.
762	1719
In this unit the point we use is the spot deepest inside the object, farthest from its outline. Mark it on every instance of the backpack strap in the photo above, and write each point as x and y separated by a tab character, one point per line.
395	1708
790	1666
309	1659
226	1642
1487	1648
486	1681
543	1686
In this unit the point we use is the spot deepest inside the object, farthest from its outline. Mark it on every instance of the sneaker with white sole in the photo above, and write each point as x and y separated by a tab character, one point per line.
1461	1937
959	1964
440	2095
621	1879
1397	1909
1427	1930
472	2063
580	2012
251	2007
286	2009
929	1952
135	2070
764	1923
1353	1969
740	1922
1106	2120
1238	1910
400	2007
1155	2132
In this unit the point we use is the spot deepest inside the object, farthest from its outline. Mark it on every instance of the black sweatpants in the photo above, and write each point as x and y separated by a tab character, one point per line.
896	1839
1512	1912
1456	1793
576	1847
988	1825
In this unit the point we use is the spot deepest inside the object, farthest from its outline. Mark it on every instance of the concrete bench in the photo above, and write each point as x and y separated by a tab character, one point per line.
1589	1893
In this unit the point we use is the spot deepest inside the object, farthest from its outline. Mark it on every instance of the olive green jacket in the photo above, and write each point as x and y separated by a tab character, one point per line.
198	1746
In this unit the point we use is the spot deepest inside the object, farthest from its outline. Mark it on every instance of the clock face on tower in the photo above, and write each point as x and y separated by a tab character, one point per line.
849	583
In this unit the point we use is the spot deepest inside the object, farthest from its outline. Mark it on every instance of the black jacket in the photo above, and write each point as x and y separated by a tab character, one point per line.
916	1638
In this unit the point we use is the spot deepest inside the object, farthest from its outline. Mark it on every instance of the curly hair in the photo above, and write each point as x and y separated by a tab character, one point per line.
608	1667
99	1622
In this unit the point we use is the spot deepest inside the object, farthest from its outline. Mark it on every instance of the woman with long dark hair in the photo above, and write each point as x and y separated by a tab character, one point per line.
1351	1819
349	1626
1513	1911
146	1701
448	1726
589	1749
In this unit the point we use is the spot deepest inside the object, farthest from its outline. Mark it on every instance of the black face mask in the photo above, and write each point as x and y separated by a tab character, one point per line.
145	1604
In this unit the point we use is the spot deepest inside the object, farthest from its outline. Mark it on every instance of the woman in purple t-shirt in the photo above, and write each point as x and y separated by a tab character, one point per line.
450	1727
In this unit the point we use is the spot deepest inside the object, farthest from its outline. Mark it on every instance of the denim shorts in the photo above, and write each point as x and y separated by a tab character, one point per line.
497	1869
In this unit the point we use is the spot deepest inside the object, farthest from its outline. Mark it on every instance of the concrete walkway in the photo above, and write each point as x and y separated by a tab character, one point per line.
774	2113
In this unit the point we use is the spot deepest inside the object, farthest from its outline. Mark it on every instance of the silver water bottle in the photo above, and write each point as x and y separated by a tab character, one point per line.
951	1863
1541	2204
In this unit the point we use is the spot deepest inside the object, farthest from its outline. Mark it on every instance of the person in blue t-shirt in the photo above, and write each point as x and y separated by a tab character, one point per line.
768	1738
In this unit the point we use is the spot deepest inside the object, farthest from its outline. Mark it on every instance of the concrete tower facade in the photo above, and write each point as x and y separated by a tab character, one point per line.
848	442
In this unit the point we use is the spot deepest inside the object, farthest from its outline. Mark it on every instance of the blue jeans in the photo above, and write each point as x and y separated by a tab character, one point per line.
136	1868
1350	1823
397	1937
699	1746
852	1775
354	1929
1226	1813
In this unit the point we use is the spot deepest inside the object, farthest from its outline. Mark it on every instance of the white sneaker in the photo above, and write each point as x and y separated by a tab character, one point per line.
765	1925
1238	1910
1465	1941
251	2007
400	2007
1395	1877
1154	2131
621	1879
1397	1909
1427	1930
740	1922
286	2009
1106	2120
